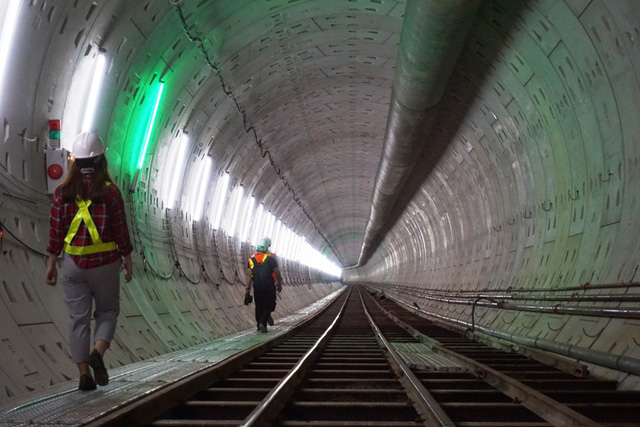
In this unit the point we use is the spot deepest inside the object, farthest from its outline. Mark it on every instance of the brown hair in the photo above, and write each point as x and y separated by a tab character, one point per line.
73	184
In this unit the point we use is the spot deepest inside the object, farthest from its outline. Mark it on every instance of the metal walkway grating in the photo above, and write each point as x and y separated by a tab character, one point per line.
64	404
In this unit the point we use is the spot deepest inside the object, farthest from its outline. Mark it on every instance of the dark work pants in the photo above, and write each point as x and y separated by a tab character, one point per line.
265	300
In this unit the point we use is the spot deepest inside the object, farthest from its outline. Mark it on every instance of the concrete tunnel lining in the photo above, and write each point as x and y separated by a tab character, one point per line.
533	153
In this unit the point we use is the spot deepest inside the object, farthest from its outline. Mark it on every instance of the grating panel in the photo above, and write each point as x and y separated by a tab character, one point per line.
420	356
63	404
74	407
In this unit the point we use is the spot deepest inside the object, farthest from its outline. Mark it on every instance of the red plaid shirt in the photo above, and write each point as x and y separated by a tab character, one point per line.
111	222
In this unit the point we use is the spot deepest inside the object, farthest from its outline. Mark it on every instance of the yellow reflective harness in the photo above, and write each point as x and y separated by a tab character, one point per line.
266	255
84	215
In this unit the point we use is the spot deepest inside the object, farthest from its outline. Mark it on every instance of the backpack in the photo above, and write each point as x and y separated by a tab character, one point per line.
262	274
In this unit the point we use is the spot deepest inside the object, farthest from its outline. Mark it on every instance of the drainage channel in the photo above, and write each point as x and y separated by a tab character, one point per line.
501	387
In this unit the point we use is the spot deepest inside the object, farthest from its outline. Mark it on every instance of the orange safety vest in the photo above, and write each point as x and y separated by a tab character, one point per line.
261	258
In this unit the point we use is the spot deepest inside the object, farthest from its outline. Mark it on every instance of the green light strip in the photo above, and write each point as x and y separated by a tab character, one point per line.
147	135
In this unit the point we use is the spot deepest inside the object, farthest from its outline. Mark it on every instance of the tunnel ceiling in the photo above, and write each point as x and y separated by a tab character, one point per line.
312	79
291	98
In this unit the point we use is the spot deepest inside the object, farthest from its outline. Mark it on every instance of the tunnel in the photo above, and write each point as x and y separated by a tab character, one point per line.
474	160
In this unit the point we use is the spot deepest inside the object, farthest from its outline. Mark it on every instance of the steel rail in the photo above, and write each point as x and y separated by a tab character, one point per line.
144	410
278	396
537	402
427	406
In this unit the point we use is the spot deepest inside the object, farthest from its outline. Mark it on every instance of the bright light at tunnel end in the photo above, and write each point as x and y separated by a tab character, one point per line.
307	255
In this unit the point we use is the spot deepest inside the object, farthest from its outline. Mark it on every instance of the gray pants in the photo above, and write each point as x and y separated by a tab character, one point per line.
81	286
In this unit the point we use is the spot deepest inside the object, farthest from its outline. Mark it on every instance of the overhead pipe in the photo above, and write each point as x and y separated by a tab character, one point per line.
432	37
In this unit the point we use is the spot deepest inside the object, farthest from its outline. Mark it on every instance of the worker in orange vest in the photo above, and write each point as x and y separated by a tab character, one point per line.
265	277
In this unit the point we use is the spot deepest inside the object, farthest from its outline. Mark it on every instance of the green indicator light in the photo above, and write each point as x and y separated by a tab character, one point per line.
147	134
54	129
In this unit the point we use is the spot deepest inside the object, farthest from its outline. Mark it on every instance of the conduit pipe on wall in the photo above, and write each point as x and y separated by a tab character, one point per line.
432	37
513	291
514	297
596	311
620	313
609	360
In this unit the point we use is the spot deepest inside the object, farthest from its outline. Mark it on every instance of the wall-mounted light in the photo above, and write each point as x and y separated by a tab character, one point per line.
217	207
83	97
201	184
257	224
150	123
246	226
174	163
95	85
236	210
8	20
287	242
282	238
296	247
269	224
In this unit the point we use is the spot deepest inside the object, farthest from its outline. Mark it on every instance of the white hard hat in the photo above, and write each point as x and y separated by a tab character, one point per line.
87	145
263	244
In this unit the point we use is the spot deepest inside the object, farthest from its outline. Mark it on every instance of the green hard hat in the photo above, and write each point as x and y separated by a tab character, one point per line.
263	244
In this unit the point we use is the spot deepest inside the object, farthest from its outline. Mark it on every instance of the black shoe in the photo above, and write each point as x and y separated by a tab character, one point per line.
262	328
86	383
270	320
99	371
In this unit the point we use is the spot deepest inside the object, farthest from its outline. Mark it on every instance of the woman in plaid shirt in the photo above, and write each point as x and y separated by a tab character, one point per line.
89	225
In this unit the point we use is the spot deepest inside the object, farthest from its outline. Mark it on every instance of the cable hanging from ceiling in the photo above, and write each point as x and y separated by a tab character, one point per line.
137	238
248	128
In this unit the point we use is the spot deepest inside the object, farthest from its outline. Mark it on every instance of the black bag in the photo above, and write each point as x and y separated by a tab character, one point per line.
248	299
262	274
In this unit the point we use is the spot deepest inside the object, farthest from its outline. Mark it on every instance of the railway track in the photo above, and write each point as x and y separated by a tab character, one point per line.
343	368
483	388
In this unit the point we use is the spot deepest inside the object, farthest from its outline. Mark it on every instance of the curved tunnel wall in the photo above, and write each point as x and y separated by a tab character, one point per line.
538	187
534	151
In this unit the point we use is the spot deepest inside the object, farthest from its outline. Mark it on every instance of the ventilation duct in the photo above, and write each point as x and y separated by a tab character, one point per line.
432	37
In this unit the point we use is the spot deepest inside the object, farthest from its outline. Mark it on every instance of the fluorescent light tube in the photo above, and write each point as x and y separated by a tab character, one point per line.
147	134
175	162
6	36
99	70
201	184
